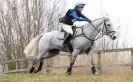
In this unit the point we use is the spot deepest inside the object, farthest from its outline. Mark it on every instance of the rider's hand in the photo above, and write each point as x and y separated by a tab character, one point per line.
89	21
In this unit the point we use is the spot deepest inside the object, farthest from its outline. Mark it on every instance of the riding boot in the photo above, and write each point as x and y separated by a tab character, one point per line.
67	39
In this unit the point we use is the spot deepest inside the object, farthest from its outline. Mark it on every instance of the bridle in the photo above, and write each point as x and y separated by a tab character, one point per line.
107	32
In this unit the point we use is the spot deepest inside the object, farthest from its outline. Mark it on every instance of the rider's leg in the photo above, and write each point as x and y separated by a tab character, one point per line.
69	30
67	38
79	23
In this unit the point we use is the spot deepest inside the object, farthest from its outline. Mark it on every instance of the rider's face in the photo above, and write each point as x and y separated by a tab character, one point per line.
80	9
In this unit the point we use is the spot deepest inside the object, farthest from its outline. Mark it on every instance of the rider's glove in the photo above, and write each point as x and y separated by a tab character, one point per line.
89	20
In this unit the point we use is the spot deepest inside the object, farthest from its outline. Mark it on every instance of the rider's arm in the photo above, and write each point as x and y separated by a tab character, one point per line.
74	14
84	16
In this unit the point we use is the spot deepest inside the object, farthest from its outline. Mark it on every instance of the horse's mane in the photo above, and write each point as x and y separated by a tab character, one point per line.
96	19
100	18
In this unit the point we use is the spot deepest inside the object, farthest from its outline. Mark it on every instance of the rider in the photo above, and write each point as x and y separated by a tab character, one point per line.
73	18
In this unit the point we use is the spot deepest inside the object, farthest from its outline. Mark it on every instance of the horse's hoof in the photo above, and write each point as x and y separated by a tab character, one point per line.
94	70
68	73
35	71
31	69
96	74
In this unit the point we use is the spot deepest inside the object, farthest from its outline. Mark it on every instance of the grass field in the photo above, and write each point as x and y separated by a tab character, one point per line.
80	74
56	77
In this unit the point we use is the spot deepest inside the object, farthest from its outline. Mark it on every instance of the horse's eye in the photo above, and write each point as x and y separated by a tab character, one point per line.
108	24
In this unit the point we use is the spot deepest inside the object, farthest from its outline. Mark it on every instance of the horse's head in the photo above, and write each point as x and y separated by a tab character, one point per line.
108	29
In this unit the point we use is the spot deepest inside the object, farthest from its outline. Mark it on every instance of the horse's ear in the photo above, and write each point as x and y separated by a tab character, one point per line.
107	19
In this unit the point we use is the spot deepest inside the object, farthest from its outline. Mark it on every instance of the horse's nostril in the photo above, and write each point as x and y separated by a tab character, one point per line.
114	37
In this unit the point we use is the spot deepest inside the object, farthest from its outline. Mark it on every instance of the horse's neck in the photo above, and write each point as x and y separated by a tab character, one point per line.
92	31
98	22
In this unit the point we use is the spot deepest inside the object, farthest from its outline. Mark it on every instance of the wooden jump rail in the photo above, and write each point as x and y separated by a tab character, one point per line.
99	52
16	66
114	50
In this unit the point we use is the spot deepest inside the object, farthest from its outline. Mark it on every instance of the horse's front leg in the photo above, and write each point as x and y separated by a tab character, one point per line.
72	60
91	61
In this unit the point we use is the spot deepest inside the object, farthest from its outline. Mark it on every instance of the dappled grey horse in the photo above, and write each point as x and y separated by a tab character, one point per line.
50	44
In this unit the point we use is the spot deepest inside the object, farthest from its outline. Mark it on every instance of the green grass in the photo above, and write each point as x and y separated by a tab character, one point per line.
54	77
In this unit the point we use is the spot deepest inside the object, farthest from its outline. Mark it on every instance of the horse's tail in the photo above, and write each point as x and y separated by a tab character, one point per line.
31	48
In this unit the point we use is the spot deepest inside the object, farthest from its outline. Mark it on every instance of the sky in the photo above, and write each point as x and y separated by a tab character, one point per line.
119	11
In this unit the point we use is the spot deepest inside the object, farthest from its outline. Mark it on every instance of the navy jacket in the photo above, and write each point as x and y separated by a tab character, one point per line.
73	15
78	16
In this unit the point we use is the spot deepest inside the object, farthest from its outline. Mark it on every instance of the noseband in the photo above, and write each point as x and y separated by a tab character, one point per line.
108	32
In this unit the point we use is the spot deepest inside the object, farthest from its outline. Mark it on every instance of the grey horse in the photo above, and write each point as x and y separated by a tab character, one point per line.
50	44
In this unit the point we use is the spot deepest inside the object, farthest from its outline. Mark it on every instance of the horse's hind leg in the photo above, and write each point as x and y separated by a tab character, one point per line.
50	54
30	67
36	62
38	67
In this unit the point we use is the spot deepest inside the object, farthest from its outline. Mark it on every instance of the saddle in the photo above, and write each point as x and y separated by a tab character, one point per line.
68	46
65	33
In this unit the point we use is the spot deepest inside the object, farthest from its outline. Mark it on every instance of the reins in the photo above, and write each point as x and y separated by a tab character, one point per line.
101	34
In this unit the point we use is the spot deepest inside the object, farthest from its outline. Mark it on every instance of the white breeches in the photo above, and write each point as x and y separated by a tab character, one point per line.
79	23
68	28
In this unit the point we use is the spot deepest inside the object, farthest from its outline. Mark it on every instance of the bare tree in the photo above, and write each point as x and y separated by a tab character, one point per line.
21	20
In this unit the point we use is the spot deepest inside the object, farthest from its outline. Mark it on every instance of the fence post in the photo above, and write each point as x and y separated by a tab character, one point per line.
132	60
99	66
17	66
